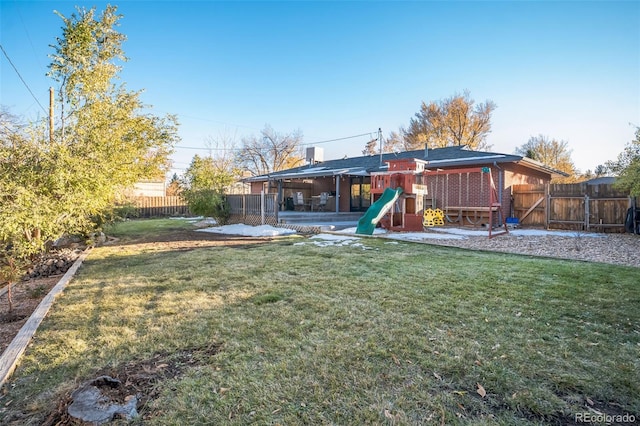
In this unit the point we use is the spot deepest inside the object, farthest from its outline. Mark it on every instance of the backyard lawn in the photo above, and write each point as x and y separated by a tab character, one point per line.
369	331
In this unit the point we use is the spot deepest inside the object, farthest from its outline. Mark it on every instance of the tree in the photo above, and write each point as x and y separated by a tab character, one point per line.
627	167
174	188
601	170
395	142
271	152
109	142
203	186
65	186
205	173
371	147
392	143
552	153
454	121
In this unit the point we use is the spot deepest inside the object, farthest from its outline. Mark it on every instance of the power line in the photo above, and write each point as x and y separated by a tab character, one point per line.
22	79
338	139
302	144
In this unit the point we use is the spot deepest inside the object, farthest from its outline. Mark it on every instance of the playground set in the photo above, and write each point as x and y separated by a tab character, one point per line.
411	197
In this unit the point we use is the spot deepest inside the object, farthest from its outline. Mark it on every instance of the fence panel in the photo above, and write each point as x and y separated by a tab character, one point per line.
574	206
160	206
248	209
566	212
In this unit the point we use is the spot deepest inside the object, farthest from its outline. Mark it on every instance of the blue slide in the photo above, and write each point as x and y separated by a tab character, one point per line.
377	210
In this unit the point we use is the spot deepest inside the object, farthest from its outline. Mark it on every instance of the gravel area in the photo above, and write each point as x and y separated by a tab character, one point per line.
618	249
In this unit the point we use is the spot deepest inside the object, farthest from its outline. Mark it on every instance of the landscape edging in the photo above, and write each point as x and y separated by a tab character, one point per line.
13	352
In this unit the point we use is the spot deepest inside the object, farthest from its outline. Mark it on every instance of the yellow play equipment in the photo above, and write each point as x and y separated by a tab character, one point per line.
433	217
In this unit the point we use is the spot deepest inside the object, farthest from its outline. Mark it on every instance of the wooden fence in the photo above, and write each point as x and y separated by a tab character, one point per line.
251	209
254	209
160	207
599	208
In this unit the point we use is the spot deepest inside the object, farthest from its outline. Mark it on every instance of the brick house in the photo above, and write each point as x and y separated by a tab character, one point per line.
348	180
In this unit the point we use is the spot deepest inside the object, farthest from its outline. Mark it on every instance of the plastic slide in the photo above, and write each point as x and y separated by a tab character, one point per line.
377	210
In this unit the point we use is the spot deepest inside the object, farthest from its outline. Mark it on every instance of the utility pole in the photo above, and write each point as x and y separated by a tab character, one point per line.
51	115
380	142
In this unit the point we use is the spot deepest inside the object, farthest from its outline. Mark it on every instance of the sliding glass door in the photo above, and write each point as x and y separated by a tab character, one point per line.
360	193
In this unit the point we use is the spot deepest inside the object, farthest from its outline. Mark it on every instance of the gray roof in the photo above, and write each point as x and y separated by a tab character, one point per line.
367	164
607	180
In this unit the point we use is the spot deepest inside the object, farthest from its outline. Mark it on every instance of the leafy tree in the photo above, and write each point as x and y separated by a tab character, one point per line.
627	167
106	144
453	121
110	143
271	152
552	153
206	173
33	210
203	186
209	203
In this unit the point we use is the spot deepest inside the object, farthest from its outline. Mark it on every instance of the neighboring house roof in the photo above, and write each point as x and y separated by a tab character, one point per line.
603	180
437	157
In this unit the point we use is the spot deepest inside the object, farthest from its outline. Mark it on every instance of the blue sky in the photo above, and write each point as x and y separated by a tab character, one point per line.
567	70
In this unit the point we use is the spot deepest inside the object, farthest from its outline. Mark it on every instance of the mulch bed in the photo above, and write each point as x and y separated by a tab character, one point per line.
26	296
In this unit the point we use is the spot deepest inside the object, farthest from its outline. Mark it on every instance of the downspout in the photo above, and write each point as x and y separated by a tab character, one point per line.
500	184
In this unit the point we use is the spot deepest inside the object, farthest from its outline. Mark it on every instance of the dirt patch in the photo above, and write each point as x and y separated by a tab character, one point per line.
140	379
187	239
26	297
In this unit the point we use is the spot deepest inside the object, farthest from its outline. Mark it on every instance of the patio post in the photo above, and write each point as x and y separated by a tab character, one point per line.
337	193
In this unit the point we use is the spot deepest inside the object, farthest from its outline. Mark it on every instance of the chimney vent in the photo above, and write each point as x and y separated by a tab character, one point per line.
315	155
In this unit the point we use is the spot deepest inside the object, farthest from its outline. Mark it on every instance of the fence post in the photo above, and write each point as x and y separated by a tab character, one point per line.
586	212
262	207
547	206
244	207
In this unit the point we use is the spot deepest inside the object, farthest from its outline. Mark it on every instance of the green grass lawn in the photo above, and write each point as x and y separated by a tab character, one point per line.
382	333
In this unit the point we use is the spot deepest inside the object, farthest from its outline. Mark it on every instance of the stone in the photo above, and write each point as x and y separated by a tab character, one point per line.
91	405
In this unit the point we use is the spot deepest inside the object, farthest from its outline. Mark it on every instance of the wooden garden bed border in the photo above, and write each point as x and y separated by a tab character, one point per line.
13	352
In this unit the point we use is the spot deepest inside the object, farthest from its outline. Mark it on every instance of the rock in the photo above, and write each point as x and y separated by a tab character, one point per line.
67	241
90	404
98	238
53	263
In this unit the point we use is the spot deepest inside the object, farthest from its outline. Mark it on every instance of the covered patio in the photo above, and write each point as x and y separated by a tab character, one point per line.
318	189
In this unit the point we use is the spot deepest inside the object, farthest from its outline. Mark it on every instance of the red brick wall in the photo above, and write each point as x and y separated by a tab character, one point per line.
472	189
460	189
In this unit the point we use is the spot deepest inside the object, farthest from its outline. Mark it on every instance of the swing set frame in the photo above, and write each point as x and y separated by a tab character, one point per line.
492	206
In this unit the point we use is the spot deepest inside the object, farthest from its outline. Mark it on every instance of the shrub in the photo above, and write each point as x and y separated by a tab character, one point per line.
209	203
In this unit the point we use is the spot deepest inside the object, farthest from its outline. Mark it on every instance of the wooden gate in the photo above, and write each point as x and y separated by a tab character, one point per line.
599	208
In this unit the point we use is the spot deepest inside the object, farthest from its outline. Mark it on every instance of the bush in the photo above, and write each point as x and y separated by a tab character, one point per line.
209	203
